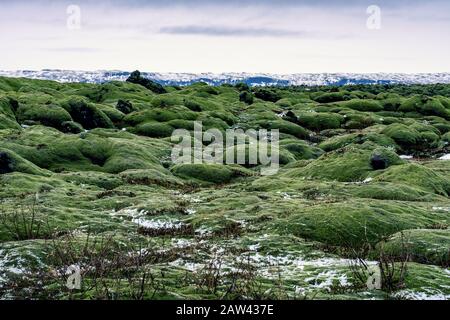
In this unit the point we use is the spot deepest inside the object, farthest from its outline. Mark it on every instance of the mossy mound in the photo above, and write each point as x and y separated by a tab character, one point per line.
124	106
363	105
351	164
267	94
412	174
50	115
86	114
246	97
8	108
382	158
355	224
413	137
425	105
154	130
71	127
52	150
341	141
333	97
301	150
160	115
151	177
210	173
319	121
99	179
285	127
12	162
428	246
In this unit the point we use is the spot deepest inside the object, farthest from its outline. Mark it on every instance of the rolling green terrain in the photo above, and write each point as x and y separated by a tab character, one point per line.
86	179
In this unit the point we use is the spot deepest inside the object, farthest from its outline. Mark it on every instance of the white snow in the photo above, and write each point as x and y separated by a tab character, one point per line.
191	211
309	79
441	209
158	224
425	294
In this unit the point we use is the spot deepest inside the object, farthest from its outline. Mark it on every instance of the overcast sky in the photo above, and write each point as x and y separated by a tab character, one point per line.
226	36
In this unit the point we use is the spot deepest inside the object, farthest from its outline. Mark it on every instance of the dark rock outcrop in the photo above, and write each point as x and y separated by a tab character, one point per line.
136	78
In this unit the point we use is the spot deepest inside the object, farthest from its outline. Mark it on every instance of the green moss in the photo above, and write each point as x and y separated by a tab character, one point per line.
246	97
49	115
332	97
429	139
151	177
343	186
363	105
355	224
320	121
301	150
181	124
285	127
12	162
340	141
413	174
351	163
93	178
71	127
124	106
160	115
212	173
8	108
267	94
403	135
86	114
154	130
446	137
423	245
425	105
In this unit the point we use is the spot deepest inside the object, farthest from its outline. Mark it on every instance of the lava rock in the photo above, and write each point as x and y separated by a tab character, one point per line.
246	97
6	163
379	162
136	78
124	106
71	127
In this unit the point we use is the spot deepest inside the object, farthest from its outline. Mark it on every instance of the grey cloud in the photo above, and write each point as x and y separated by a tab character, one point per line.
230	31
74	49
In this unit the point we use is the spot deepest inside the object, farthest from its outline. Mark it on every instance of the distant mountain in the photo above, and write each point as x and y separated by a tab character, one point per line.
183	79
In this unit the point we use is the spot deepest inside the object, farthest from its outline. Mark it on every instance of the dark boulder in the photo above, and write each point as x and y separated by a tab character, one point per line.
241	86
290	116
136	78
6	163
124	106
379	162
71	127
267	94
246	97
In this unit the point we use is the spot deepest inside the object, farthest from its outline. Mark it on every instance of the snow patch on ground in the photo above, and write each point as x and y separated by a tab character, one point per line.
441	209
158	224
426	294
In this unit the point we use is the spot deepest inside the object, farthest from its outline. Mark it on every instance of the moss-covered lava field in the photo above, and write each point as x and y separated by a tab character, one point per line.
86	180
